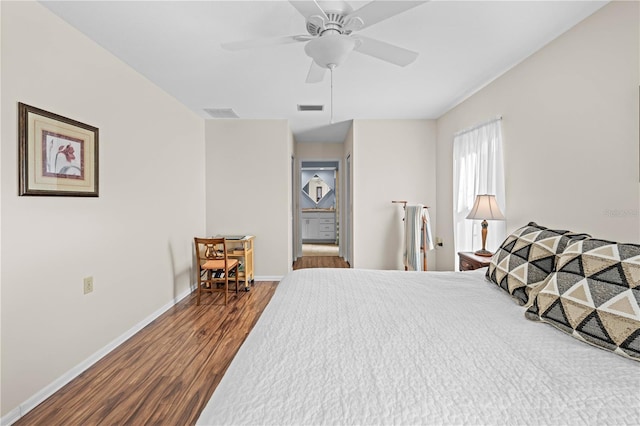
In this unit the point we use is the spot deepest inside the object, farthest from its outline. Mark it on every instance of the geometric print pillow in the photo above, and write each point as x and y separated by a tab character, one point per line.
594	295
527	257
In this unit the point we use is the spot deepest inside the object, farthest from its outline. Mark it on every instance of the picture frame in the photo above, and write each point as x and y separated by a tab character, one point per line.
58	156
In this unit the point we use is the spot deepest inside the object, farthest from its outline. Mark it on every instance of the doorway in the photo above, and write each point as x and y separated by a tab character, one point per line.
319	210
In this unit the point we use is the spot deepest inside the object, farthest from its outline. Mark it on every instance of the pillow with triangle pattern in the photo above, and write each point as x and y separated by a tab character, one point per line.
527	257
594	295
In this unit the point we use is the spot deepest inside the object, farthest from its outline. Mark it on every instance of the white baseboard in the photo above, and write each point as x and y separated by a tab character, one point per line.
269	278
15	414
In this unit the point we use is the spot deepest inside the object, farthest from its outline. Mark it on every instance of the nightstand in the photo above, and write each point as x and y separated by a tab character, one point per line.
470	261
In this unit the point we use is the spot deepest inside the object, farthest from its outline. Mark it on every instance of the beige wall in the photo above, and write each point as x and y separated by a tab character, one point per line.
570	129
248	187
135	239
319	151
392	160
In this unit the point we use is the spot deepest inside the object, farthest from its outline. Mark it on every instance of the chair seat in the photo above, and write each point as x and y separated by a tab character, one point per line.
219	264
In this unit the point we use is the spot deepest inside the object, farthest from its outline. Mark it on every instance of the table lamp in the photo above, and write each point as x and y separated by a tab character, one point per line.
485	208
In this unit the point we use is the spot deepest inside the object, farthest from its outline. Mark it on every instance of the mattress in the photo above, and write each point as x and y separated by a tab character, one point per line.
344	346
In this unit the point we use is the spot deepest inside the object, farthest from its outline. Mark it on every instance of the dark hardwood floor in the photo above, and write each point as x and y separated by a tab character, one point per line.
320	262
166	373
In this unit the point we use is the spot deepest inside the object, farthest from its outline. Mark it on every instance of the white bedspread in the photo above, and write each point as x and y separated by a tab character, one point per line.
343	346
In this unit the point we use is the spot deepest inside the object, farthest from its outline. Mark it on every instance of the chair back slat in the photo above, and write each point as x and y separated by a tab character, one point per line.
210	249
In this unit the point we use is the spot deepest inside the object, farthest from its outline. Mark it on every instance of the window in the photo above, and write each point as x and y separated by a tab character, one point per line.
477	169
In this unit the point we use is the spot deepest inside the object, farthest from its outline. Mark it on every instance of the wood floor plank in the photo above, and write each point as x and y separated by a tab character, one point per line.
320	262
166	373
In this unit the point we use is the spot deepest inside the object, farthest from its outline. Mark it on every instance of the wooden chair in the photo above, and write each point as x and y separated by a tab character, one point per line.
214	266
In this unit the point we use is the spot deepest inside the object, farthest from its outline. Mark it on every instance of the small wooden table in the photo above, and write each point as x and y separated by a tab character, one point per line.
470	261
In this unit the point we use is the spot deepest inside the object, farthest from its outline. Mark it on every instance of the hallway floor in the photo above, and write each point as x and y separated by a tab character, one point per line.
320	262
320	250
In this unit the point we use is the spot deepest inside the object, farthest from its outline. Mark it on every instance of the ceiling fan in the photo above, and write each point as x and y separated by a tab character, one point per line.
332	27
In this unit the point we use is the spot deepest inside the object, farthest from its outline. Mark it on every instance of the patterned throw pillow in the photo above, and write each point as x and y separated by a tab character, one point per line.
527	257
594	295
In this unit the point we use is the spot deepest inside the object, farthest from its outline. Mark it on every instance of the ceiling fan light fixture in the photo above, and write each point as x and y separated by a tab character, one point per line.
332	49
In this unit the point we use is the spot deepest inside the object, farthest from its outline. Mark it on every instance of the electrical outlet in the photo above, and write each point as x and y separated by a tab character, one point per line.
88	285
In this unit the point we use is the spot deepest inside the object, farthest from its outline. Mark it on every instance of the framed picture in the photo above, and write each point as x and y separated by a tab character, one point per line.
58	156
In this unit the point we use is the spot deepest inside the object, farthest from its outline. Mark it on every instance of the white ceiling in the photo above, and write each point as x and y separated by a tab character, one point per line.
462	45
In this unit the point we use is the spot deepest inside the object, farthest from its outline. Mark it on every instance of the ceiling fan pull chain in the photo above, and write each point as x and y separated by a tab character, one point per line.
331	119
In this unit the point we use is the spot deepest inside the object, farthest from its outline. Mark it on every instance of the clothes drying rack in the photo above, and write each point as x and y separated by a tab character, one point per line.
423	231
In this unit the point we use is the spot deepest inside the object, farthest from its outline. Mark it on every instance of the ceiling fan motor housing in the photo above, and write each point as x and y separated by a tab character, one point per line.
318	25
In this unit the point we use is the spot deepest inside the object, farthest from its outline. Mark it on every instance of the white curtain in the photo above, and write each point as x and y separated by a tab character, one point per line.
477	169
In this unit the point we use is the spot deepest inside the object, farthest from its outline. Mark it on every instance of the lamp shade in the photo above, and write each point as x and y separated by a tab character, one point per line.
485	208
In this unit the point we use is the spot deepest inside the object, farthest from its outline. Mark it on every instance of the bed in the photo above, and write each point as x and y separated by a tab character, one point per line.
343	346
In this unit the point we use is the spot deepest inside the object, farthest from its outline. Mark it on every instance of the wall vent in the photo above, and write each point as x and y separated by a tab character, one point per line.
221	112
310	107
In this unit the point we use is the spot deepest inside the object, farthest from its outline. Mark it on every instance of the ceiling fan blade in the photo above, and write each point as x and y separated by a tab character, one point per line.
308	8
376	11
264	42
316	73
385	51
